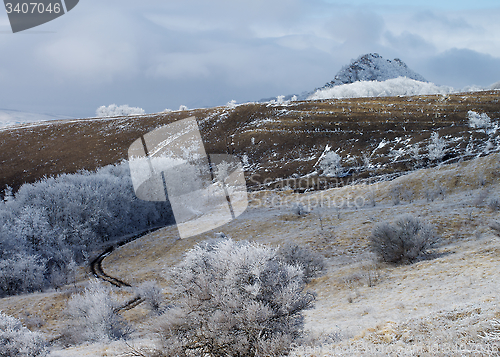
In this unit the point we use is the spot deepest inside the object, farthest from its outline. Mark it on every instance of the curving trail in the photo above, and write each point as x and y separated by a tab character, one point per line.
98	272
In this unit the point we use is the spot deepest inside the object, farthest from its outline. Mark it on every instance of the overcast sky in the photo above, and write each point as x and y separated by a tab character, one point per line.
158	54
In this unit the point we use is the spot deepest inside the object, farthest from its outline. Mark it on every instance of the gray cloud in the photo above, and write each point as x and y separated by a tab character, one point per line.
462	67
159	54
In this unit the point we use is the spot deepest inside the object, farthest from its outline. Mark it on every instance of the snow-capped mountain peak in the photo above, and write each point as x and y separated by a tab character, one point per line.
373	67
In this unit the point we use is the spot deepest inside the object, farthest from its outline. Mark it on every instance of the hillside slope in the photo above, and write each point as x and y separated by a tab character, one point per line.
446	302
373	136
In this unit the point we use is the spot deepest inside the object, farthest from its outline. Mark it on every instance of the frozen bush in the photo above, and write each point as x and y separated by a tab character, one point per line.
312	263
94	316
331	164
494	204
403	243
234	299
18	341
22	273
114	110
152	295
300	209
496	227
436	147
478	121
231	104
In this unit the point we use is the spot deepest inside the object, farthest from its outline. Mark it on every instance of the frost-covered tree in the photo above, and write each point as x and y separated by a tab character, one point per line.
93	315
478	121
21	273
436	147
18	341
60	219
114	110
331	164
234	299
231	104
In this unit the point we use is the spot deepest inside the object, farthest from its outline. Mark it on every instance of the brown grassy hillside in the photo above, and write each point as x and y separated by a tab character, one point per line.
279	140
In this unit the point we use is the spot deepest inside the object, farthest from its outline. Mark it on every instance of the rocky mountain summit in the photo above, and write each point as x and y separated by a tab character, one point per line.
373	67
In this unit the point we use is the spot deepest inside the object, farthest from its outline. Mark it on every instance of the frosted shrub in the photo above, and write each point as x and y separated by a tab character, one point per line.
403	243
494	204
300	209
94	315
496	227
22	273
114	110
312	263
492	338
152	295
436	147
331	164
478	121
231	104
234	299
18	341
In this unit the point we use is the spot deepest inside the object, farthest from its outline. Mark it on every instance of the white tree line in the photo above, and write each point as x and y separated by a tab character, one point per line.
48	227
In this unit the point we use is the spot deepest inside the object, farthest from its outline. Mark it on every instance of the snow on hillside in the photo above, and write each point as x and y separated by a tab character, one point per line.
14	117
373	67
401	86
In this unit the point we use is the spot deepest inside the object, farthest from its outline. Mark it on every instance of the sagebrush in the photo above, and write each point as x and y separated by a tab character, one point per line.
94	317
403	243
312	263
234	299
